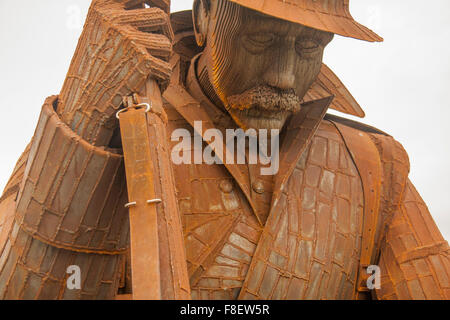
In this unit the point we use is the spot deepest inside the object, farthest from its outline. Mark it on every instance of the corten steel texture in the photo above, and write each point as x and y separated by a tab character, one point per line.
174	275
69	212
326	15
368	162
309	235
157	250
240	242
117	51
65	183
143	217
327	83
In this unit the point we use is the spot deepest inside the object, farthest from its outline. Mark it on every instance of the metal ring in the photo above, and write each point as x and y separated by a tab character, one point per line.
131	204
148	108
154	201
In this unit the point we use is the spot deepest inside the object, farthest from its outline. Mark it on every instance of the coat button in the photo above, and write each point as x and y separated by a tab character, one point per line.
258	187
226	186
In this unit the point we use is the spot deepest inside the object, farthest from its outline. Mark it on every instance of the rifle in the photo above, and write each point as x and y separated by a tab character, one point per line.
158	259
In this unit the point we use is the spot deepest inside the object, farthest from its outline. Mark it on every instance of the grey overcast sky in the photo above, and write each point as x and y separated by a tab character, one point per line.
402	84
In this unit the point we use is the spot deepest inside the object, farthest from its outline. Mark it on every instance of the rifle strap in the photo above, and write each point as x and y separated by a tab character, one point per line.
367	159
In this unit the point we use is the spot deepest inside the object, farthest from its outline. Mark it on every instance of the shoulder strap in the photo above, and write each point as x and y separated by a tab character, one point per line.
355	124
368	163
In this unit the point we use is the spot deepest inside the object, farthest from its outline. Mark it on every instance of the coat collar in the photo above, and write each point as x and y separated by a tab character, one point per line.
193	105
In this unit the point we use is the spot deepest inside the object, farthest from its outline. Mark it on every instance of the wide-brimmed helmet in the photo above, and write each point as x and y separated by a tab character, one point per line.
326	15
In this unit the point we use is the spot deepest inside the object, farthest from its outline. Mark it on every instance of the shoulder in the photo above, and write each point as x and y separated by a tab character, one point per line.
370	146
389	149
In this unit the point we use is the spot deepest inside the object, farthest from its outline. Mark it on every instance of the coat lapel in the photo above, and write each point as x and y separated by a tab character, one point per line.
299	133
192	111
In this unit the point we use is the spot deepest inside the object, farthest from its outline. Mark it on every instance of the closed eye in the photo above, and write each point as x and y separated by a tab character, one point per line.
307	46
262	39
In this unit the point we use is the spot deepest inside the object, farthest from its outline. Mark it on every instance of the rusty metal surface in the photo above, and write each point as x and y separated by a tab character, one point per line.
368	162
63	192
117	51
158	260
327	83
236	246
222	232
174	272
67	215
143	217
327	15
48	226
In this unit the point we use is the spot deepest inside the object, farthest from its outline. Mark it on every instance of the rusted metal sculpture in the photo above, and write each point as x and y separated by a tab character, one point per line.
340	203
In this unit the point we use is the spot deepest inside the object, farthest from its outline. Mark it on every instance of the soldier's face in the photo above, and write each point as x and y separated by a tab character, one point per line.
260	67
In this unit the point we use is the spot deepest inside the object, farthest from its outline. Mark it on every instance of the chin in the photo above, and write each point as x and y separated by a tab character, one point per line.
276	121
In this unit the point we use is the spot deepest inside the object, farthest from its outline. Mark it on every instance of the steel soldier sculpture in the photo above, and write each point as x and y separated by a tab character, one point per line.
340	203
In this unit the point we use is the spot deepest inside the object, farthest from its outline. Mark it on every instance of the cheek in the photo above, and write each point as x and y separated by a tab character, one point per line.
306	73
241	71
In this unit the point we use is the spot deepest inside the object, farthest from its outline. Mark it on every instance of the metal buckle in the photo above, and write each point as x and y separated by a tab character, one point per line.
133	204
148	108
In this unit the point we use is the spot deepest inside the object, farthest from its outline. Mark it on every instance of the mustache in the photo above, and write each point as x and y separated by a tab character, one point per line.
266	98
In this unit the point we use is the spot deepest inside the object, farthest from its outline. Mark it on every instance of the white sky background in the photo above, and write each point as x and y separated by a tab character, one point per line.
402	84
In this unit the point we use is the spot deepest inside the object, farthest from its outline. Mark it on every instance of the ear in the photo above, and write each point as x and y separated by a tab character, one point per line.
200	16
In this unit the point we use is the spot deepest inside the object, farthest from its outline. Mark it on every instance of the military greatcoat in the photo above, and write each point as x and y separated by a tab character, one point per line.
340	202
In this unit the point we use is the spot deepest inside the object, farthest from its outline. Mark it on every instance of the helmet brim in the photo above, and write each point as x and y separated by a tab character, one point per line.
338	22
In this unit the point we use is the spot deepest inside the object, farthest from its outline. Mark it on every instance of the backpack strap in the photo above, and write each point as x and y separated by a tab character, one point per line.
367	160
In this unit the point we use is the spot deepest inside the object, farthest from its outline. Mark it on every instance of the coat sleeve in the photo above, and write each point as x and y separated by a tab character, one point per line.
412	255
64	204
63	207
415	261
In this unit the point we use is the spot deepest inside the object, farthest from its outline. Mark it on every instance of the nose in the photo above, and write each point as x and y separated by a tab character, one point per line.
281	73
